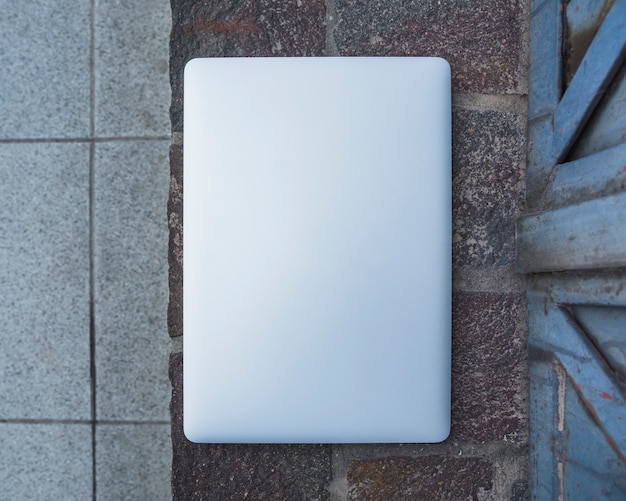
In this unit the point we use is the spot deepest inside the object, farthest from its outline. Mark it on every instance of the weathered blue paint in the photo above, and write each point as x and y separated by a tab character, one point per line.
607	126
545	71
601	289
589	235
544	89
558	332
584	15
556	120
589	177
591	468
603	58
577	223
606	327
577	406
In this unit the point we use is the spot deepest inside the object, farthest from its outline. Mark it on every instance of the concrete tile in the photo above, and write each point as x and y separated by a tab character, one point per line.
44	278
46	462
131	65
131	293
133	462
46	91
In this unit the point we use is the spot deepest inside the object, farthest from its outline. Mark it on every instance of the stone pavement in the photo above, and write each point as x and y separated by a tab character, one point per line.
486	43
84	136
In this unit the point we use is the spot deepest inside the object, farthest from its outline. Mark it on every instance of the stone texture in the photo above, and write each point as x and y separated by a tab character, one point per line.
130	267
481	39
430	477
175	253
133	462
132	91
520	491
219	472
47	462
244	28
487	186
44	279
44	58
489	368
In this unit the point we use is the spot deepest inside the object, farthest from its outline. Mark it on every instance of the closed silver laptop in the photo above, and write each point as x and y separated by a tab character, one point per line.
317	250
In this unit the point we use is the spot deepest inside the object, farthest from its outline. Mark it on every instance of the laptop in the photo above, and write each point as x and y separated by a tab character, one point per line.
317	250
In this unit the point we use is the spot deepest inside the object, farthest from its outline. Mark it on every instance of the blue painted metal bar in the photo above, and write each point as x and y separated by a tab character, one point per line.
597	289
600	174
590	235
600	63
592	468
543	398
597	389
577	444
540	162
605	327
545	62
544	90
544	378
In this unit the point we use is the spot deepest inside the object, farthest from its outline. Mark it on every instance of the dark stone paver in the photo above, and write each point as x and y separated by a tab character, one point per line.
175	246
480	38
520	492
234	472
430	477
247	28
487	186
489	368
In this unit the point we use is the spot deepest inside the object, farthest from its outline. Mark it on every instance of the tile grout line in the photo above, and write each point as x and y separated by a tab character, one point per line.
92	320
108	422
89	139
330	20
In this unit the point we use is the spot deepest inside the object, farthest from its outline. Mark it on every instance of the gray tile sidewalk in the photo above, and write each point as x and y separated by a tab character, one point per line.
44	281
84	176
45	58
45	461
130	187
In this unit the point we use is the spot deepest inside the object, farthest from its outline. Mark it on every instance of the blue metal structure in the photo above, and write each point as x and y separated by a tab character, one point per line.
572	242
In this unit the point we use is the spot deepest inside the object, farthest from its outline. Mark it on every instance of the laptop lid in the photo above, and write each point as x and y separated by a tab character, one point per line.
317	250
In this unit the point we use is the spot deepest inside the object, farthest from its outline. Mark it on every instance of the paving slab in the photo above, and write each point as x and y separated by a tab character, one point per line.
430	477
480	38
44	278
487	186
130	260
134	462
241	28
489	368
46	46
131	68
46	462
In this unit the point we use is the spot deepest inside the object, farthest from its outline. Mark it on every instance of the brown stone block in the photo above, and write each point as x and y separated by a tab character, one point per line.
230	28
430	477
234	472
489	368
489	155
483	40
175	249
